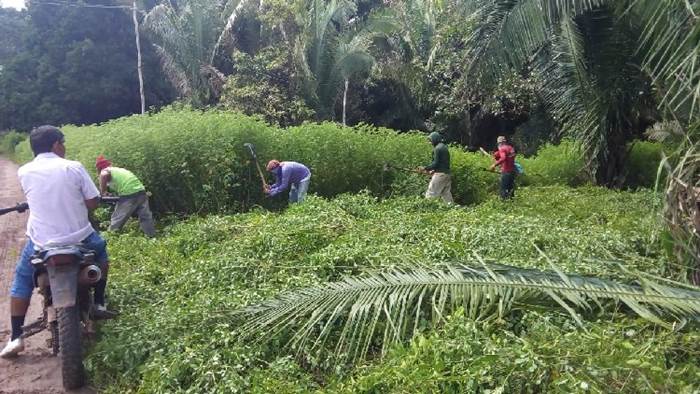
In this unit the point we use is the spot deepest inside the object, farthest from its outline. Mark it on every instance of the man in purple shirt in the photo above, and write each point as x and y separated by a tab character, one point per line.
289	174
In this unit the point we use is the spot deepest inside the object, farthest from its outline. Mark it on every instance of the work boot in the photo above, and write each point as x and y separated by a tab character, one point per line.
13	348
100	312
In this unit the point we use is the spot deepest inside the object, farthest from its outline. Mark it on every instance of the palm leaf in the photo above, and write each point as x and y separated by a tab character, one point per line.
177	77
184	36
230	24
388	307
664	131
671	47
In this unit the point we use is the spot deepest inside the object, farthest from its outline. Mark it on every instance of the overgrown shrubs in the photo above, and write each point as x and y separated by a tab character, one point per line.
556	164
643	164
9	140
177	295
195	162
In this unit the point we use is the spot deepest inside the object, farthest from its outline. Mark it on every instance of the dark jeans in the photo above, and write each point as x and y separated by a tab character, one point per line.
507	185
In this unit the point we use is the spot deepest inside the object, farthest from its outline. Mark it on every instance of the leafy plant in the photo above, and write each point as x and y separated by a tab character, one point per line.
385	308
532	352
188	340
9	140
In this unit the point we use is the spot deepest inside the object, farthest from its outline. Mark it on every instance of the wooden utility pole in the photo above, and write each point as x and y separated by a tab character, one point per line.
138	56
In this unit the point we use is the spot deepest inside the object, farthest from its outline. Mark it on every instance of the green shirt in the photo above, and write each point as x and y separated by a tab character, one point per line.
124	182
441	159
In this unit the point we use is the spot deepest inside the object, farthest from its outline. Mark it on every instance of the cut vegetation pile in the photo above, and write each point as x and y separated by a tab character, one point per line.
180	296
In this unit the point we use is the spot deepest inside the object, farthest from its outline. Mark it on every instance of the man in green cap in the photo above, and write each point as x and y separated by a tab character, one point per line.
132	196
440	182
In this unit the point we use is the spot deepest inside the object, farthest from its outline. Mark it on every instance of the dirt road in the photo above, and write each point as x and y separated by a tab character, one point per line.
36	370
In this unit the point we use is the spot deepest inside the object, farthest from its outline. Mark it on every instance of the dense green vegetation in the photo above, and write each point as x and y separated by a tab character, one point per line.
415	65
70	64
594	92
179	295
9	141
195	162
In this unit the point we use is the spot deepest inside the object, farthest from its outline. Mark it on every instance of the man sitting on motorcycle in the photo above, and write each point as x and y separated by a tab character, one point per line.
59	193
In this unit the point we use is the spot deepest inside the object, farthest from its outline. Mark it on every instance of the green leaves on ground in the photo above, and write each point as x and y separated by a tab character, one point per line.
386	308
178	294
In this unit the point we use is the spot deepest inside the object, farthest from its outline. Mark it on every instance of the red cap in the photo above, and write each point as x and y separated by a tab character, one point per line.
101	163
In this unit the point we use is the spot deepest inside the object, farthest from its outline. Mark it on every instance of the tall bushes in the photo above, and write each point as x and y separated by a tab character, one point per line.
9	141
195	162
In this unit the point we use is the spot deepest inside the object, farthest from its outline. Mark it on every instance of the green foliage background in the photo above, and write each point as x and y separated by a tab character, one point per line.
9	141
195	162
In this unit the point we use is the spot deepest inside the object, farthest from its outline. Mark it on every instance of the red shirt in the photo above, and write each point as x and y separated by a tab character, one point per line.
505	157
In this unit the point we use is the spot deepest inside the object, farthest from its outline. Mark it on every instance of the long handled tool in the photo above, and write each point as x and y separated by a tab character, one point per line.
251	148
388	167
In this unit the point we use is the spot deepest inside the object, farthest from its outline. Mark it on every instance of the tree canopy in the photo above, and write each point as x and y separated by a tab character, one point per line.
76	65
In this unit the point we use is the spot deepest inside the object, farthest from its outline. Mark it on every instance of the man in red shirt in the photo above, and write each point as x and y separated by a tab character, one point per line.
505	158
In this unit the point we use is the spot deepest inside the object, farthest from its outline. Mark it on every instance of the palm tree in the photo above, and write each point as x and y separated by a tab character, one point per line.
331	50
574	44
352	59
412	47
188	36
386	308
600	62
422	59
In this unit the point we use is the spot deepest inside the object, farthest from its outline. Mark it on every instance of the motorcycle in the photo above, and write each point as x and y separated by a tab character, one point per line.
65	277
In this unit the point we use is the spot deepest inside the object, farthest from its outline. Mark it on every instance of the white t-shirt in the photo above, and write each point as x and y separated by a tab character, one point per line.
56	190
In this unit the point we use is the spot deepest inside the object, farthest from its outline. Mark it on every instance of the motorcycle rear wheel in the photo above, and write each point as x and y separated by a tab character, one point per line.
70	347
55	342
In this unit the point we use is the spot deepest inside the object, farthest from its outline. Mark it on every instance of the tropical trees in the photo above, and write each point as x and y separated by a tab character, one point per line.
332	48
188	36
608	69
12	25
603	66
72	63
352	59
304	48
604	69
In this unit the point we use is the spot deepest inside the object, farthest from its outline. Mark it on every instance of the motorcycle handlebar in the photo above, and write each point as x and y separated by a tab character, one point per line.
109	200
19	208
23	206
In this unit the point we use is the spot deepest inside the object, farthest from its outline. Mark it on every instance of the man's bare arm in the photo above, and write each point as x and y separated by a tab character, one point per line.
92	203
105	177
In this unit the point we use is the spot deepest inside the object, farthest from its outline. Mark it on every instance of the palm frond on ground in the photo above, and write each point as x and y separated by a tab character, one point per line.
378	310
